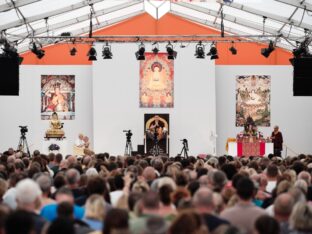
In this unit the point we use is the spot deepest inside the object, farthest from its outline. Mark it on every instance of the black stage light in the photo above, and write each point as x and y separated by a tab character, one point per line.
73	51
156	48
140	54
37	51
172	54
267	51
107	53
233	49
92	54
213	53
200	50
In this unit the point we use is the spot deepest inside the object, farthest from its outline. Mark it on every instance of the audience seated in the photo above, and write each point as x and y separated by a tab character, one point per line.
103	194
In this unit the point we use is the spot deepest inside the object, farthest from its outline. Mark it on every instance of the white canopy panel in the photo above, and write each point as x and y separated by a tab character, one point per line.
21	19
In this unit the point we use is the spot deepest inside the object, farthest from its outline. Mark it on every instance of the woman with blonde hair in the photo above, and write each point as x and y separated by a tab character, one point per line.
95	212
300	218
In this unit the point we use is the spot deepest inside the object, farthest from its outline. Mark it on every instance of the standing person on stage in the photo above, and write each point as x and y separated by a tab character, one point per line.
277	139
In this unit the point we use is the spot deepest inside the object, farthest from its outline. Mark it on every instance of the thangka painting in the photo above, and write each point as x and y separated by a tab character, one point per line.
58	95
156	128
156	81
253	100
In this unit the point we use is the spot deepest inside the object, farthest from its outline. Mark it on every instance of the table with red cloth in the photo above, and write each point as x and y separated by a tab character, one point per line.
242	148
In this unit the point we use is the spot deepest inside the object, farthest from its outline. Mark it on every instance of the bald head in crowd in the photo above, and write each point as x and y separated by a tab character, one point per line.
283	206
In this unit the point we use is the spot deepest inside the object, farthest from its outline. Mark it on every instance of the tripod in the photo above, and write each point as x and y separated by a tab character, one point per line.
184	149
23	144
128	148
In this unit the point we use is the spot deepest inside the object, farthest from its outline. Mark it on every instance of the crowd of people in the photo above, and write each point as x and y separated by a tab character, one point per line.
56	194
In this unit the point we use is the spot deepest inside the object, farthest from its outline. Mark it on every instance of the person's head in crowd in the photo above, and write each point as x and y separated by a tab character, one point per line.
64	194
245	189
118	182
302	185
36	153
64	164
4	212
133	200
150	203
72	178
51	157
149	174
65	210
306	176
298	167
229	169
218	180
283	206
188	222
59	181
266	224
155	225
158	165
58	159
19	222
3	188
116	220
97	185
28	195
204	181
203	200
95	207
61	226
72	160
45	182
272	172
301	216
165	192
193	187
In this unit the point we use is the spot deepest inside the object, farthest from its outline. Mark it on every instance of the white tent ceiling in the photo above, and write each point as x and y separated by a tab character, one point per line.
21	19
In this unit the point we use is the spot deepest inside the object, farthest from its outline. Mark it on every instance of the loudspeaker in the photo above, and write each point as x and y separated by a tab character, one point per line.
9	76
302	85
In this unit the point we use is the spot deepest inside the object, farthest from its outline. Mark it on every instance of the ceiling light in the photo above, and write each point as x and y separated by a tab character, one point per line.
156	48
200	50
107	53
92	54
267	51
140	54
172	54
233	49
37	51
213	53
73	51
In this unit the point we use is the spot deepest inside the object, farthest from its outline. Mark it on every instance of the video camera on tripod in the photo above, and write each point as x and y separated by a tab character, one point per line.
128	149
128	134
23	130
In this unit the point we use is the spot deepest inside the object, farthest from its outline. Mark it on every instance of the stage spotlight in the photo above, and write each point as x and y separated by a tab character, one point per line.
156	47
267	51
92	54
107	53
73	51
213	53
233	49
171	53
140	54
200	50
37	51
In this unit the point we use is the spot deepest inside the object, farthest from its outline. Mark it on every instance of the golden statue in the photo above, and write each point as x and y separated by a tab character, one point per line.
55	130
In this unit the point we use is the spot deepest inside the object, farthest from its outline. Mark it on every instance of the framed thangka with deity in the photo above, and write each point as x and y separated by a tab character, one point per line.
156	81
253	94
58	95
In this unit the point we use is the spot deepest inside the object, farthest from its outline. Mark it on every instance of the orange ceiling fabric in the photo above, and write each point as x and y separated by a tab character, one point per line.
144	24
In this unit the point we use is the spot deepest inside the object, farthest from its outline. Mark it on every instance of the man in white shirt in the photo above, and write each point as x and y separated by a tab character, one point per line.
80	142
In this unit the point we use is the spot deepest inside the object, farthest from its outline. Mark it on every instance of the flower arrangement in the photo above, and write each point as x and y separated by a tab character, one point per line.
53	147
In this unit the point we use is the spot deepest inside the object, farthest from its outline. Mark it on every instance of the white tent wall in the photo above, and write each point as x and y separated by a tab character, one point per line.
25	108
116	101
292	114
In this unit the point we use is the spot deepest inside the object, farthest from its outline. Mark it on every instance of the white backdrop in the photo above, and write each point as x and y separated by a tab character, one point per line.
292	114
25	109
116	101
